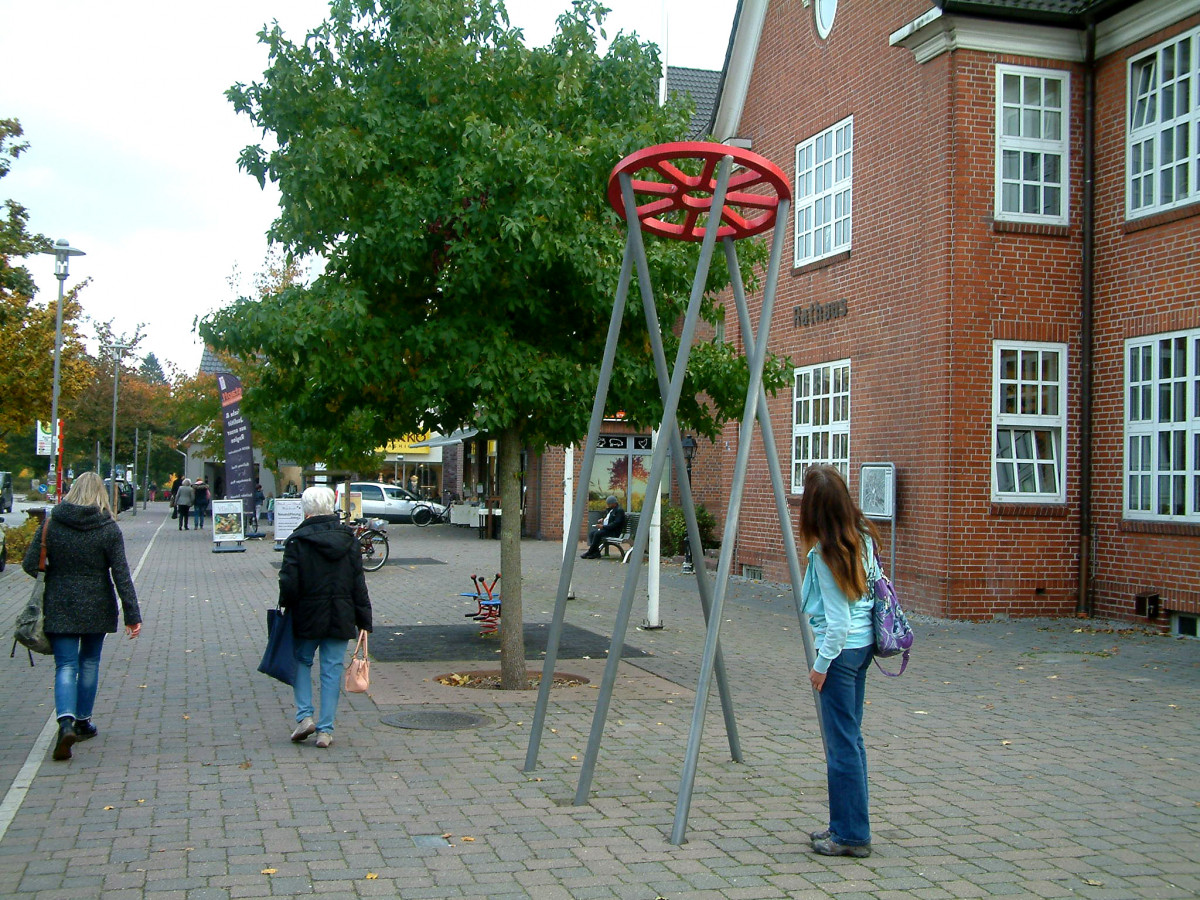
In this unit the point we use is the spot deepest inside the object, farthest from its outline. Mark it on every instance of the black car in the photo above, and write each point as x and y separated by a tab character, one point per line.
124	494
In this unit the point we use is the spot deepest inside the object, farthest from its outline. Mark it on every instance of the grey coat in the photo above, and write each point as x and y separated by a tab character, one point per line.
85	555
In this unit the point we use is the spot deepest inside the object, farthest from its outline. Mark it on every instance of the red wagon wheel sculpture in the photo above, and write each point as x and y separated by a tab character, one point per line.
677	205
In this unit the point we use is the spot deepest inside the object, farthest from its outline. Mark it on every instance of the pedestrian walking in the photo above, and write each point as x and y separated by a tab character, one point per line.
85	557
837	600
201	502
183	502
321	582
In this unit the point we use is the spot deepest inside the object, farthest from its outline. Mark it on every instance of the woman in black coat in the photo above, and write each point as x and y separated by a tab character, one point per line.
321	583
85	556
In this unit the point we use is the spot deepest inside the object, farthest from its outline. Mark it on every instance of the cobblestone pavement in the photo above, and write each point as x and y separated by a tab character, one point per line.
1013	759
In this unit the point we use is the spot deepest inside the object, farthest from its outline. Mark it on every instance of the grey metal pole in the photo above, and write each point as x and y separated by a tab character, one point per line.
146	480
703	587
54	395
776	474
589	455
136	436
749	414
63	251
669	425
112	458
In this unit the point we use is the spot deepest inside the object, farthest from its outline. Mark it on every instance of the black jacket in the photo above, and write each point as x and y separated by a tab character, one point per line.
321	581
613	522
85	554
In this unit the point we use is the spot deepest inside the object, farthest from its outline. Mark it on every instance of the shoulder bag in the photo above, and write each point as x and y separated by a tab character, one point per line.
30	631
893	635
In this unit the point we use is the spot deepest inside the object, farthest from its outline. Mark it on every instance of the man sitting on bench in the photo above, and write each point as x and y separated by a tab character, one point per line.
612	525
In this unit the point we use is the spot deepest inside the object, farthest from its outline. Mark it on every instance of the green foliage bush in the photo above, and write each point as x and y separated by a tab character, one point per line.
674	528
17	538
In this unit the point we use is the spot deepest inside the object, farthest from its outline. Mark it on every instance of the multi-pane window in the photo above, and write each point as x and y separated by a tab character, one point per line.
1162	427
821	419
824	165
1163	137
1029	422
1031	144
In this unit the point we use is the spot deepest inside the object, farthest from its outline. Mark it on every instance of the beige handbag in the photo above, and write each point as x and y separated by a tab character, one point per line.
358	670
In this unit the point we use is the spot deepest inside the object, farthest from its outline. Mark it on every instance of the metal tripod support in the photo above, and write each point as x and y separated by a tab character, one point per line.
680	207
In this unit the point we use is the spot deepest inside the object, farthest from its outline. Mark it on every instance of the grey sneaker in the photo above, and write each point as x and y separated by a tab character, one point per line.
324	739
829	847
303	729
819	835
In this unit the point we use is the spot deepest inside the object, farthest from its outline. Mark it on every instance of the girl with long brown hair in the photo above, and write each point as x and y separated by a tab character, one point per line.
837	599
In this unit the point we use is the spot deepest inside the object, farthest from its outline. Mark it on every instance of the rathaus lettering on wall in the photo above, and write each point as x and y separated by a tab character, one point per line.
819	312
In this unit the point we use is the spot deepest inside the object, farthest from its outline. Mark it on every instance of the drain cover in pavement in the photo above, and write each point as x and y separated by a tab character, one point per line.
433	720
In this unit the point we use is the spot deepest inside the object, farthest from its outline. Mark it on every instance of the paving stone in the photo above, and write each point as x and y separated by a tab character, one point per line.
1010	761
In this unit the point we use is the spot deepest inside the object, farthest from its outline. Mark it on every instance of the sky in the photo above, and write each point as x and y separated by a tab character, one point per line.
133	147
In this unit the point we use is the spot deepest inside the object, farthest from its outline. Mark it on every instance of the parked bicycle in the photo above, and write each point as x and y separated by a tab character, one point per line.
427	512
372	542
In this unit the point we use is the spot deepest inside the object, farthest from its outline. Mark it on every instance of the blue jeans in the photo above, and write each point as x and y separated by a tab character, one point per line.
76	673
198	512
333	661
845	756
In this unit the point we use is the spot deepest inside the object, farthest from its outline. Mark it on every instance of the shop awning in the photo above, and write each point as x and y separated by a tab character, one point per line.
446	440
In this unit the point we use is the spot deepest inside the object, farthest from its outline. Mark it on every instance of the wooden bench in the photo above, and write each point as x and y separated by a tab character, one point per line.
627	536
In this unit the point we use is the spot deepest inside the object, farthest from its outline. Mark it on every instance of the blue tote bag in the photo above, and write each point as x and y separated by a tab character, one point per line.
279	659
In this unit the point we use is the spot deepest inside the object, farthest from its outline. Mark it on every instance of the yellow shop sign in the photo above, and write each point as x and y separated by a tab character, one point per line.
405	446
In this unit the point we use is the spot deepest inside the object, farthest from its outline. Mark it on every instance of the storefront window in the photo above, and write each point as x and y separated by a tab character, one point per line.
621	469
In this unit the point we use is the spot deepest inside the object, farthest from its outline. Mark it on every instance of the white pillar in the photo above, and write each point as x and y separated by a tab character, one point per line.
570	541
654	549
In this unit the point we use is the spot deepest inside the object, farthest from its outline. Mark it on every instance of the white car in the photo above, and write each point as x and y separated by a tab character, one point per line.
387	501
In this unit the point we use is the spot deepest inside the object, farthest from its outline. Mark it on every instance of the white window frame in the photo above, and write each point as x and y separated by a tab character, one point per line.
1030	149
820	419
1162	427
824	167
1157	177
1026	442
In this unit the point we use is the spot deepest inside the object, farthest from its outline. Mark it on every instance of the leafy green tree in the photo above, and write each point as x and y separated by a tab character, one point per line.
15	240
151	370
26	325
454	182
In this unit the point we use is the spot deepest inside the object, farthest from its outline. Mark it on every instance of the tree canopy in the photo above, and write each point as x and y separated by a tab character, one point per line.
453	180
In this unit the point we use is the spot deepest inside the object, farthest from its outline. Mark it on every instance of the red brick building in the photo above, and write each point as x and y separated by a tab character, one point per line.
994	286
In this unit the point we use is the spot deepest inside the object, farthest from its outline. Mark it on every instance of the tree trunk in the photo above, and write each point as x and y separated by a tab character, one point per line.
512	618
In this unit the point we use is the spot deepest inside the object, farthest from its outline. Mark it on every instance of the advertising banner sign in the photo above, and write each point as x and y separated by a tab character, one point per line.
239	453
227	522
288	514
44	438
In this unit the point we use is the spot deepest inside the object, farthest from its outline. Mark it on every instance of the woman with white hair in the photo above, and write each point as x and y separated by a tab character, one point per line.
184	498
321	582
85	557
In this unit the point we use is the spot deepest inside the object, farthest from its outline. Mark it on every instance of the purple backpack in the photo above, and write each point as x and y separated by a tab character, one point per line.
893	635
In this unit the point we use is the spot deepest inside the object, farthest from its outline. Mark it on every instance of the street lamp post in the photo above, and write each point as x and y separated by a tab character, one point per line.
112	458
689	451
63	251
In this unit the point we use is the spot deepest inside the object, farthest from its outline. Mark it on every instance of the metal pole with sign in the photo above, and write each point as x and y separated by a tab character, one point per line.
63	251
877	499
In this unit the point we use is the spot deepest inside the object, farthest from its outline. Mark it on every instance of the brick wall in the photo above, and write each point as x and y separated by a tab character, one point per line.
1147	282
930	283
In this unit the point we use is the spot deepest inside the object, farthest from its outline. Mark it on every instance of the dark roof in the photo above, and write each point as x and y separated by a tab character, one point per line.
702	85
1056	12
210	363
